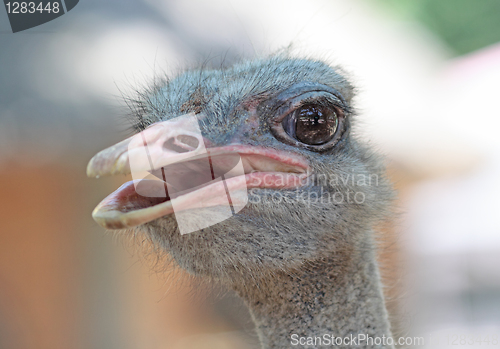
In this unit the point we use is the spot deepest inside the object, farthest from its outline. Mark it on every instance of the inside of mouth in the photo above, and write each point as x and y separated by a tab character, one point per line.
126	198
182	178
186	177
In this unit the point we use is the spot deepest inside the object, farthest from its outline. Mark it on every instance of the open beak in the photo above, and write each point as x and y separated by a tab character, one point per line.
175	170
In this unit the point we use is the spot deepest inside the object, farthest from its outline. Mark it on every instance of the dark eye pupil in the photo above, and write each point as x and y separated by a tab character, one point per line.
315	124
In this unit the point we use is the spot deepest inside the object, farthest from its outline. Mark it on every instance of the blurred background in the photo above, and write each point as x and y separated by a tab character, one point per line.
428	75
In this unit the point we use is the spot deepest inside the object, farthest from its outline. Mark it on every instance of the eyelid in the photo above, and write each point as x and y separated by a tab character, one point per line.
289	123
310	97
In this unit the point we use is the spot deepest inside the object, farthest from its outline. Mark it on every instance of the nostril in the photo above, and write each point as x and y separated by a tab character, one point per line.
182	143
189	141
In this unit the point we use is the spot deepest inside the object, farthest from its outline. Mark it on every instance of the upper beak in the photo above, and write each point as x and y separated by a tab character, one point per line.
159	145
175	169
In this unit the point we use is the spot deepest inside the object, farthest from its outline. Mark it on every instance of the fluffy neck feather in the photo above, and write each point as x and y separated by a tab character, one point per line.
321	299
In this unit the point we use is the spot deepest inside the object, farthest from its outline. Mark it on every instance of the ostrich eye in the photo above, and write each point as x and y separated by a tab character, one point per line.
311	124
308	115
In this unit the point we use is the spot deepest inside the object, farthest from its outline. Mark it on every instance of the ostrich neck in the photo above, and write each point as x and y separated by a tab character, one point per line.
322	299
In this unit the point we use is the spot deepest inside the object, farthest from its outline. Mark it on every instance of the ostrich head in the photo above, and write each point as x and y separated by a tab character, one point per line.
289	120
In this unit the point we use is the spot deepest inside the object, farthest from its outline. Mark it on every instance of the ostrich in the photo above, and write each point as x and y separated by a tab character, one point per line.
304	264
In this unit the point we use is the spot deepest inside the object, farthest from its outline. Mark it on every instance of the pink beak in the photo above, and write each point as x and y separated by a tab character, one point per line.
175	171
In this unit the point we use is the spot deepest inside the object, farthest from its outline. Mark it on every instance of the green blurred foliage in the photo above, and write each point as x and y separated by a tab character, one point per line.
465	25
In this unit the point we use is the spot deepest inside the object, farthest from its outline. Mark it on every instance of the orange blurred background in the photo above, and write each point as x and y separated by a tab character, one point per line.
427	101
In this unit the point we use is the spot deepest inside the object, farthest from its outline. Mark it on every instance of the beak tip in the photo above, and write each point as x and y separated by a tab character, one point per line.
91	169
99	166
108	220
90	172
